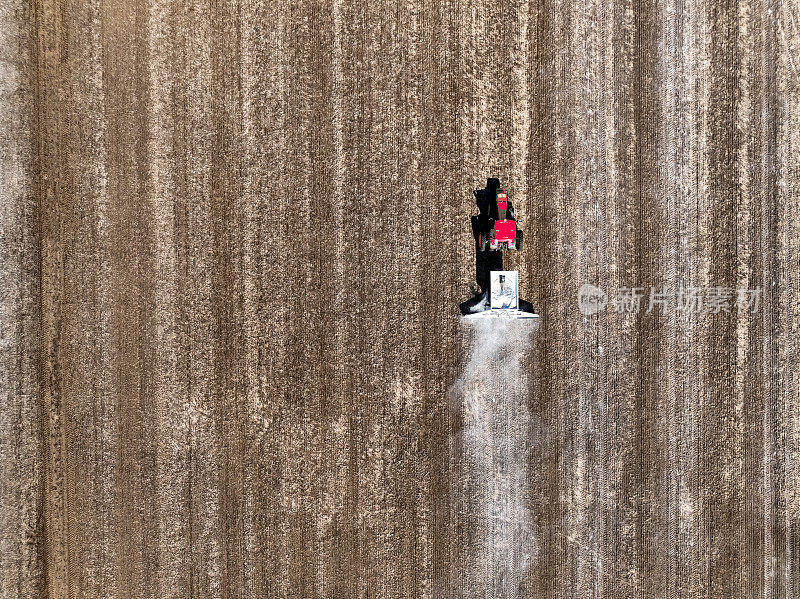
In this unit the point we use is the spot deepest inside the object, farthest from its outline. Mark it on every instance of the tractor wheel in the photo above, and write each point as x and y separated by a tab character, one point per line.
519	240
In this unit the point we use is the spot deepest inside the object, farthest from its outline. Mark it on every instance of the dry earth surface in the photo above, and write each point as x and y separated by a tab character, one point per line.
234	236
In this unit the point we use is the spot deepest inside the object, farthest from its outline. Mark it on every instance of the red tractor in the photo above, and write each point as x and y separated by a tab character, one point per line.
500	231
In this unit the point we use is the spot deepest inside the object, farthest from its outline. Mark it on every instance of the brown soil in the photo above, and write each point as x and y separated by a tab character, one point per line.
234	238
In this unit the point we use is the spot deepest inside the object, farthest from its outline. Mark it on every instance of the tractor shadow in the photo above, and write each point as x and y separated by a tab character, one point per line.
485	262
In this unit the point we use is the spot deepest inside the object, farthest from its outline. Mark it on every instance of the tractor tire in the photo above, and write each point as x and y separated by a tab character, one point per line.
519	240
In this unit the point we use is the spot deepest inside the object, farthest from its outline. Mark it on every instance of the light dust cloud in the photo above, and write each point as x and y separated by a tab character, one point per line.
492	494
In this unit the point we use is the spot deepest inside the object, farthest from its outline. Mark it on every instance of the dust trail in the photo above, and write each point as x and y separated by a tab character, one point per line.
497	536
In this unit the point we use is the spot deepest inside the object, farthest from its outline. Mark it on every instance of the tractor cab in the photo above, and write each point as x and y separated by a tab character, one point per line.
502	205
502	231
